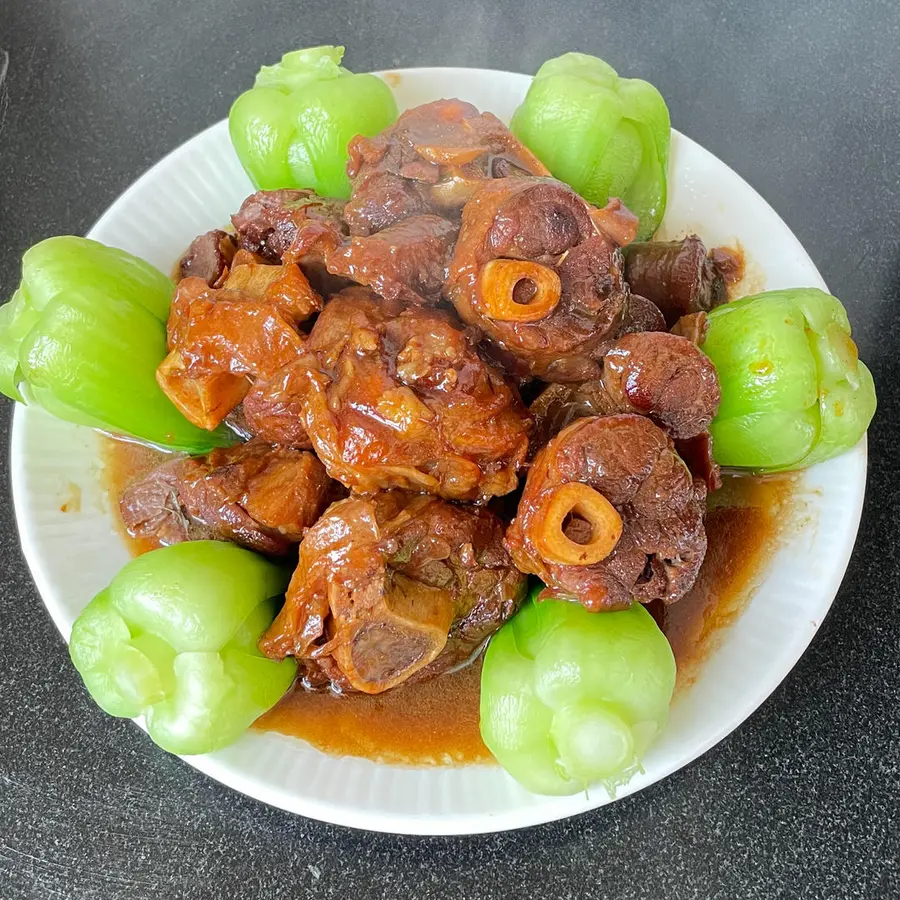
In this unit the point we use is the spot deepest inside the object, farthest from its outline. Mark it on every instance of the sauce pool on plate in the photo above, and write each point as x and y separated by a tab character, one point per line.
436	722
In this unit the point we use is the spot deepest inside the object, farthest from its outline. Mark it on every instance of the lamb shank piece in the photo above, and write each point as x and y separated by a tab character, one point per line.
395	399
610	513
539	271
680	277
430	160
392	588
258	496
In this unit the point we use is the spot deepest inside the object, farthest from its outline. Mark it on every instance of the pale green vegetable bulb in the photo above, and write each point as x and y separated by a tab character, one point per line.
794	391
571	698
173	639
82	337
292	128
604	135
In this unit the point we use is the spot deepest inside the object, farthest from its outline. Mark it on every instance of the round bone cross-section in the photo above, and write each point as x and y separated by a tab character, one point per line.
633	464
394	587
575	278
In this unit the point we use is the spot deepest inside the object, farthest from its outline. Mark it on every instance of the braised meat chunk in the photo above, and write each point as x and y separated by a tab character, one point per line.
666	377
283	287
680	277
656	374
541	279
402	400
642	315
610	513
222	340
394	587
209	257
559	405
272	411
268	221
256	495
275	225
430	160
405	262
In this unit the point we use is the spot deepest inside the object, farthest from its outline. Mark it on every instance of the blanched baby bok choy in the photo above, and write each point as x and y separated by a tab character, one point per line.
604	135
794	391
291	129
571	698
173	639
82	337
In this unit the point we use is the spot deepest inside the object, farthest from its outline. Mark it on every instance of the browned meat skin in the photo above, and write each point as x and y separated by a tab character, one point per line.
209	257
221	340
267	221
666	377
255	495
633	464
642	316
406	261
678	276
542	220
272	411
393	588
396	399
431	159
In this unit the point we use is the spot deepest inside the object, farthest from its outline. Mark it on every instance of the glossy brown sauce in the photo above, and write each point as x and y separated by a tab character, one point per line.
123	462
433	723
436	723
744	520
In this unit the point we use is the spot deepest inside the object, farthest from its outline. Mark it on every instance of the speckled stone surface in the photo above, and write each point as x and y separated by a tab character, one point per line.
803	801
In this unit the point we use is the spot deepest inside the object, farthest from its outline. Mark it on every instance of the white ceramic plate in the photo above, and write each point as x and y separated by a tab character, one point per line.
73	554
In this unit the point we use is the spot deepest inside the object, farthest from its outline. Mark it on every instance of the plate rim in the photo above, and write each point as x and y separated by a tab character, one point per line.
432	824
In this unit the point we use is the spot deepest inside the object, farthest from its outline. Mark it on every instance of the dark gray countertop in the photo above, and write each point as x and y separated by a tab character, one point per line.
804	799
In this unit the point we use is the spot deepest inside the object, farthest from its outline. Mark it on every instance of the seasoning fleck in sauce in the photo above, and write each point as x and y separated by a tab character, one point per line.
436	723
